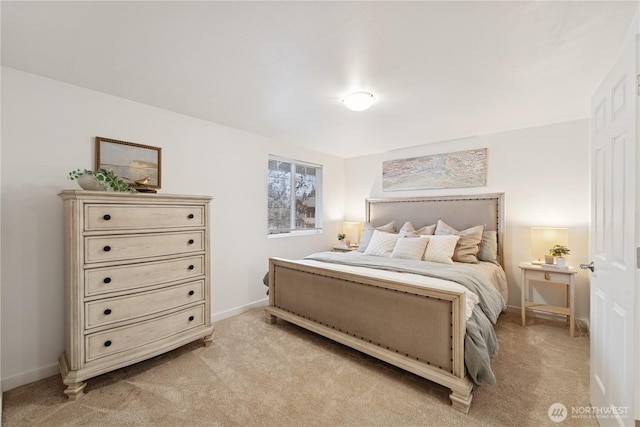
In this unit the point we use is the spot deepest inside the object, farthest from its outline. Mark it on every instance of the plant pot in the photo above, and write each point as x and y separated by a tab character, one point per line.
90	183
560	260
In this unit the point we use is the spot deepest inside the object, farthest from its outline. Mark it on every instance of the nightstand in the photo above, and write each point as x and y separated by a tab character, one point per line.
556	276
345	248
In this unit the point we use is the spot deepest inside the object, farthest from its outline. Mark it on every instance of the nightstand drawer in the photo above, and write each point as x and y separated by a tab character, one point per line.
112	248
110	217
112	310
549	276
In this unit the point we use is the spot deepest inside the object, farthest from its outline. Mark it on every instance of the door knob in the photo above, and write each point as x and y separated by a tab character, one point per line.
590	266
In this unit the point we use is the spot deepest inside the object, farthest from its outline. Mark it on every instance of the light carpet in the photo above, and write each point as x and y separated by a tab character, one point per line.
256	374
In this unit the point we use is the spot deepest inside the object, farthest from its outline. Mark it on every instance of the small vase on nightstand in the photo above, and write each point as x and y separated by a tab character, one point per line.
560	260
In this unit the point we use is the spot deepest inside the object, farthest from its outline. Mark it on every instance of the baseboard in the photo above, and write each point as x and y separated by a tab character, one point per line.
583	324
30	376
512	309
216	317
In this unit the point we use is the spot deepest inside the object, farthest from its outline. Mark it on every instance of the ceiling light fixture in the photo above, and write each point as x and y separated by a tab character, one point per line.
358	101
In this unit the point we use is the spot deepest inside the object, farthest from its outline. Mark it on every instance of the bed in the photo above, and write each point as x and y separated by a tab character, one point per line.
434	319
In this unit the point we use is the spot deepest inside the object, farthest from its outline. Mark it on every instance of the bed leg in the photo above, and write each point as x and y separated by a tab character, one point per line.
270	318
461	398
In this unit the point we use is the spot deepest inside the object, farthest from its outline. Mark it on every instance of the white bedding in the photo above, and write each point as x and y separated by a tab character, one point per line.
493	274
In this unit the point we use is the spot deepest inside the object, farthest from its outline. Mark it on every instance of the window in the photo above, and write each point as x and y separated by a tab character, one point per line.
295	196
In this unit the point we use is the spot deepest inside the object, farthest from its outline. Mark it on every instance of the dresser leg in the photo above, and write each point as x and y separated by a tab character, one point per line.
208	340
75	390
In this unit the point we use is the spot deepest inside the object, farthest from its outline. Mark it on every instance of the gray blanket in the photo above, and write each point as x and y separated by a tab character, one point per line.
480	340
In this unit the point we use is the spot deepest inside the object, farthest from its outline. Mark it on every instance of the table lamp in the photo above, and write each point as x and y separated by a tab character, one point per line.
351	229
543	239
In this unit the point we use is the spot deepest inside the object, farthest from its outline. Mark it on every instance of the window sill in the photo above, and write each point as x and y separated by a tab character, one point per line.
294	233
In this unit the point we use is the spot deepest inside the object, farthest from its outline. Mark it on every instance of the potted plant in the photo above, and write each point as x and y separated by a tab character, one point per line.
100	180
342	240
559	252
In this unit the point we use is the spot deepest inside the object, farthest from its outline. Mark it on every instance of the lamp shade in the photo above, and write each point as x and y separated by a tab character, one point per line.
359	101
545	238
351	229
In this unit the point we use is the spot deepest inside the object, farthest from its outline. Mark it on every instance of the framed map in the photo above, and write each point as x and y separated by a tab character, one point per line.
451	170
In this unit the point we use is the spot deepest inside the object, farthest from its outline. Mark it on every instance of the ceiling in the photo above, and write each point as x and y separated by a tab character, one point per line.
439	70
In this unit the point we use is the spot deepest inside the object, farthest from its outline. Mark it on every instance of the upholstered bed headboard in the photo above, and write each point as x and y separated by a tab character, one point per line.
459	212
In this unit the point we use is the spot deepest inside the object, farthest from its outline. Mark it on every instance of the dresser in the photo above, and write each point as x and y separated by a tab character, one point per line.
136	279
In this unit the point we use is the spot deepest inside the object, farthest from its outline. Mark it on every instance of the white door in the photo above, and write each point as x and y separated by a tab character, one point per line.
613	232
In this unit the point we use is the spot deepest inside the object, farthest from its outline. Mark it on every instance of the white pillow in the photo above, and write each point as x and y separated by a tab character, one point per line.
408	230
367	233
440	248
409	248
381	243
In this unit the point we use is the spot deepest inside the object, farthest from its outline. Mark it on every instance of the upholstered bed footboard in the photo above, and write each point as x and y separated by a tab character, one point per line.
378	317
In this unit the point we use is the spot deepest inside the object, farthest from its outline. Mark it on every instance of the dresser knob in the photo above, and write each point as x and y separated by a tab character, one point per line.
191	293
107	280
191	267
107	248
191	318
107	311
107	217
191	241
190	216
107	343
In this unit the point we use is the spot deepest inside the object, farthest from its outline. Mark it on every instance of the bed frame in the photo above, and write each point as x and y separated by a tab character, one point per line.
378	317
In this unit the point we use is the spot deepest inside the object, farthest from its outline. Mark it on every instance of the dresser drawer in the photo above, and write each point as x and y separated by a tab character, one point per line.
118	217
548	276
110	279
111	310
136	246
117	340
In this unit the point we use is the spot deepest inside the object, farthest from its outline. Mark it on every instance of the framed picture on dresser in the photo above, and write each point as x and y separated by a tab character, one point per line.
138	163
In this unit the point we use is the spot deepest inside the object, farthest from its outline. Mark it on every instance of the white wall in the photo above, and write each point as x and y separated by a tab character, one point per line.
48	129
544	173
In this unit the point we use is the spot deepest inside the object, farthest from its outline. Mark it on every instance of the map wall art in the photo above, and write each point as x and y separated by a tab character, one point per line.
451	170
